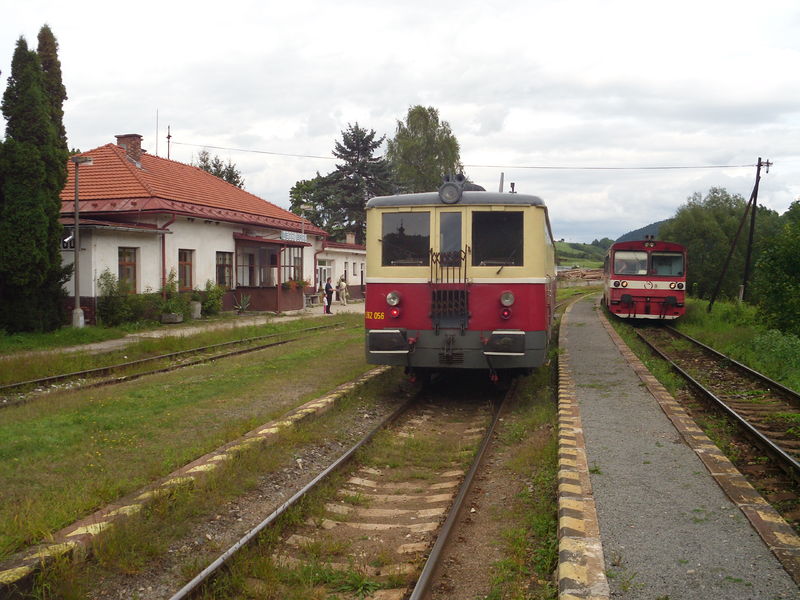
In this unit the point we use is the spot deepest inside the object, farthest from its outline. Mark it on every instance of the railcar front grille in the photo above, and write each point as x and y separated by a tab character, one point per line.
449	303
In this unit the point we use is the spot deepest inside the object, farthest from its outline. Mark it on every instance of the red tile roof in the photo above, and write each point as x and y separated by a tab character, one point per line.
115	184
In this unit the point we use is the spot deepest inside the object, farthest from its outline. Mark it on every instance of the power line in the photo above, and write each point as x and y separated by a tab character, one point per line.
540	167
255	151
573	168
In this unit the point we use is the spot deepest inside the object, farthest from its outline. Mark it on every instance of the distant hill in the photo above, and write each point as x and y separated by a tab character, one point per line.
583	255
638	234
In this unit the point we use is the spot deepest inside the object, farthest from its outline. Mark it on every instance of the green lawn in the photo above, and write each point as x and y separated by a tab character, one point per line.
67	454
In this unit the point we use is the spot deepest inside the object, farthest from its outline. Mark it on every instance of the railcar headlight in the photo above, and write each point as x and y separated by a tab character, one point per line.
393	298
672	285
450	193
616	284
680	286
624	284
507	298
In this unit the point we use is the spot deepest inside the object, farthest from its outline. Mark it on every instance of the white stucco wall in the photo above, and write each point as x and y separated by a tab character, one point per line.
100	250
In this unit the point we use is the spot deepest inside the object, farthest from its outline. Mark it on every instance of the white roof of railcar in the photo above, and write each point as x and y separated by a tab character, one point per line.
467	198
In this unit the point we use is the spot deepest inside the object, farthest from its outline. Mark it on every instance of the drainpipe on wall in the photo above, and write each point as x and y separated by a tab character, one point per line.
164	256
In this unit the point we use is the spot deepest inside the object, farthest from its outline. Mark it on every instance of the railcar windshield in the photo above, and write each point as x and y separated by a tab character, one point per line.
497	238
630	262
667	263
406	239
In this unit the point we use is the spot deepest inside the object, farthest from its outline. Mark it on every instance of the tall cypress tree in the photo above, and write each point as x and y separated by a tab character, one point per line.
31	163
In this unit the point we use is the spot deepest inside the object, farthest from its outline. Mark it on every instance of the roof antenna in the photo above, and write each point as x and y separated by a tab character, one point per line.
169	137
156	132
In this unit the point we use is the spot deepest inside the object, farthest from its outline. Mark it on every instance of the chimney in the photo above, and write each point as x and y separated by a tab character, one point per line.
350	238
132	143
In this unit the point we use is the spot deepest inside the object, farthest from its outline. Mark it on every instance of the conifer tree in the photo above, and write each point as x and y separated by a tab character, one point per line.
32	174
339	198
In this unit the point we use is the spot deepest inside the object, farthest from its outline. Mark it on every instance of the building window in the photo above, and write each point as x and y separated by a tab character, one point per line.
225	269
291	263
185	269
246	268
126	272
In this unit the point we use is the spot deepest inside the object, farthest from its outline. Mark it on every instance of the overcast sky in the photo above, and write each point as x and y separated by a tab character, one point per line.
586	86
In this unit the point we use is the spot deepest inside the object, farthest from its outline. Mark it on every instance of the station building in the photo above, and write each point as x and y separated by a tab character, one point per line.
142	217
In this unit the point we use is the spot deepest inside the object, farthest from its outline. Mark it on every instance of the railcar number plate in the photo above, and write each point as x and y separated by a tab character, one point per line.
378	316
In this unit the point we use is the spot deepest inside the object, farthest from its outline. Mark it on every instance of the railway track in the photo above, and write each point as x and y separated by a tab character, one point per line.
766	411
382	529
18	392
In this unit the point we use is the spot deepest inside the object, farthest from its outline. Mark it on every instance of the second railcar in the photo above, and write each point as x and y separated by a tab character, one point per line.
459	279
645	279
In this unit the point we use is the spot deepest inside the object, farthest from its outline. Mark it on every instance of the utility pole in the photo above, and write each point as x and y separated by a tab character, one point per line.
751	205
746	278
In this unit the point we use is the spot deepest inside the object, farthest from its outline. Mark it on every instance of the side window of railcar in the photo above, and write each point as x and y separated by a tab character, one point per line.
497	238
406	239
667	263
630	262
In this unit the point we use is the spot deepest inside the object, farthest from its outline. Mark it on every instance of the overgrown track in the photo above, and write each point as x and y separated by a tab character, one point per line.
766	411
105	375
383	519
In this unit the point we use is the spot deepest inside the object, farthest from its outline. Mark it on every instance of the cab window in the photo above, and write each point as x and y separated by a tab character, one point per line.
667	263
406	239
497	238
450	238
630	262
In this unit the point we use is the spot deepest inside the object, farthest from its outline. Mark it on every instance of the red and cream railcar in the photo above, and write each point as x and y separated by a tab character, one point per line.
645	280
459	279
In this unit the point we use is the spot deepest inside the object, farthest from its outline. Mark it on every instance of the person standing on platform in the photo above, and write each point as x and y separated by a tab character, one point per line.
328	296
342	289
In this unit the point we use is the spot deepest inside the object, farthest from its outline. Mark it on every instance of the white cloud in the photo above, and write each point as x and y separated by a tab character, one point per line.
523	83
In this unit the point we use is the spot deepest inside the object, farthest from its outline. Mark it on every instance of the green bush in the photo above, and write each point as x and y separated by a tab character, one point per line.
113	307
212	302
174	301
146	307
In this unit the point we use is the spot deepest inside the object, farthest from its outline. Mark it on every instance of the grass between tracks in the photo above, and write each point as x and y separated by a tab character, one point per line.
71	336
69	453
25	367
530	536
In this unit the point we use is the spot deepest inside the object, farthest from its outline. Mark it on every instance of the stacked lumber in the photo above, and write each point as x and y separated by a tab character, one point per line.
586	274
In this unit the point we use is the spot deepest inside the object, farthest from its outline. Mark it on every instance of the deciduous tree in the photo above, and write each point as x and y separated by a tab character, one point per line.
707	227
423	150
778	279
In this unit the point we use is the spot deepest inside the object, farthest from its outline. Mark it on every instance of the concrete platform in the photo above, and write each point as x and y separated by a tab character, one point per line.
649	508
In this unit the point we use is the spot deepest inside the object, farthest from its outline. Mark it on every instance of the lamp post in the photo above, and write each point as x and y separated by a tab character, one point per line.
77	312
303	208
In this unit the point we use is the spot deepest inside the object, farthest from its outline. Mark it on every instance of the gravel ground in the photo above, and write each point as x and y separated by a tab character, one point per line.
668	530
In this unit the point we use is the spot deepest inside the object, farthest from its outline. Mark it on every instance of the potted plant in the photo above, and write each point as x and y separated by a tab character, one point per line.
196	304
172	311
